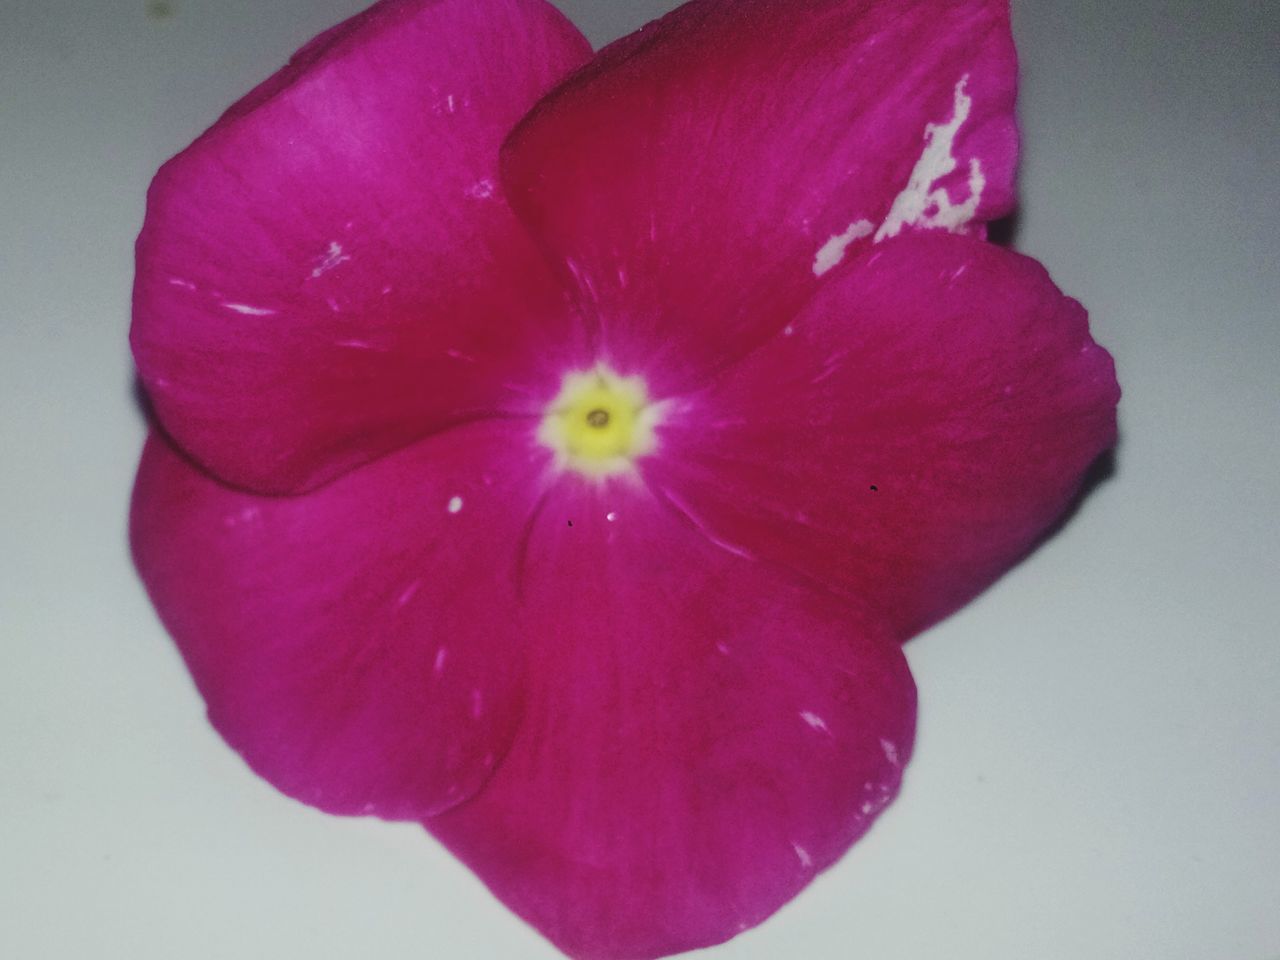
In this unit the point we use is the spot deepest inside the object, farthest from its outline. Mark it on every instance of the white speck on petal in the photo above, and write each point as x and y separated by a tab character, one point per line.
242	516
459	355
582	277
249	310
832	252
829	368
788	331
179	282
802	855
407	593
455	505
477	703
482	190
722	649
815	721
442	655
890	750
332	257
611	516
919	204
354	344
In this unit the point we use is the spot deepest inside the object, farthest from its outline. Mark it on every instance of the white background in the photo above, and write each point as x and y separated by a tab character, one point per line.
1098	768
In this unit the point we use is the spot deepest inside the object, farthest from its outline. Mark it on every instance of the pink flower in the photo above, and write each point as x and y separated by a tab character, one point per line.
557	449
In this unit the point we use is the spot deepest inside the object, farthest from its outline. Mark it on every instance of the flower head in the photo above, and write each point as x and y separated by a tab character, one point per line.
556	449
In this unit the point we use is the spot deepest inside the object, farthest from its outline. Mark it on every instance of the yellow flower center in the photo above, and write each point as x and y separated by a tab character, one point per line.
599	423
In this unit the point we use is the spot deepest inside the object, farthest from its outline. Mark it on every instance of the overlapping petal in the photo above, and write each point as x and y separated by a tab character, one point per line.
355	644
698	179
331	270
702	735
909	435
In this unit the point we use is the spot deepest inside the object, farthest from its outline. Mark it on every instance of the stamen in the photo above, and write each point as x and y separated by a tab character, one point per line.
599	423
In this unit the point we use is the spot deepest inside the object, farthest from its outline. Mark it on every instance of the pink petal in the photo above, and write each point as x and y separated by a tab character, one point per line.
909	436
702	735
699	178
355	644
332	270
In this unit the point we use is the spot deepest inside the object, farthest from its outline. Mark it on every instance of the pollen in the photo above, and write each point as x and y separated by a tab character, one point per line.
600	423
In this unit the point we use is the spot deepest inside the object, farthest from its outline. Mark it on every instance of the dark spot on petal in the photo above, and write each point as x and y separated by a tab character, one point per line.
874	488
598	418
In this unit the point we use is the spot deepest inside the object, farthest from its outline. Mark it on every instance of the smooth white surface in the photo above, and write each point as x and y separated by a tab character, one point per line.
1098	767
